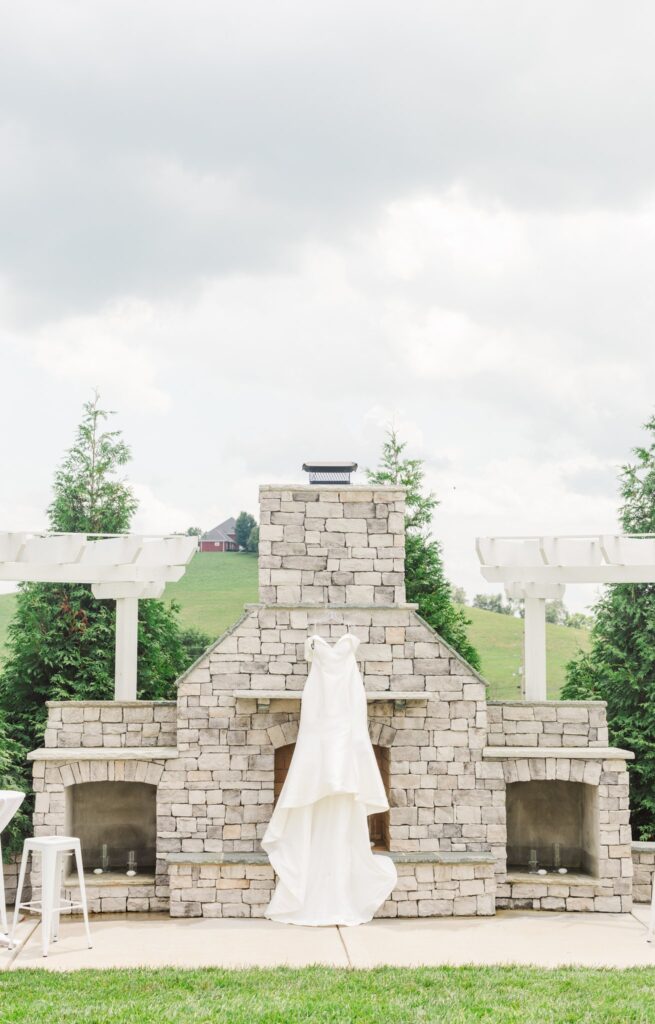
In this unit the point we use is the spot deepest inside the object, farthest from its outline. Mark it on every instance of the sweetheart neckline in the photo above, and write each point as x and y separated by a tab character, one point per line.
316	636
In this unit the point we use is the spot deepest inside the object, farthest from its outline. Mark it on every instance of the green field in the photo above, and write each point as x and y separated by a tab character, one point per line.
328	995
215	588
499	639
7	606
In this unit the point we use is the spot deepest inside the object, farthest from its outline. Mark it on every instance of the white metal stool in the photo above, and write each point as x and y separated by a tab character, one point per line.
651	925
53	850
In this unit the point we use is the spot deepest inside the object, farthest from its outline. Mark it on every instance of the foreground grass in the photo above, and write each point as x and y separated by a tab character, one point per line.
502	995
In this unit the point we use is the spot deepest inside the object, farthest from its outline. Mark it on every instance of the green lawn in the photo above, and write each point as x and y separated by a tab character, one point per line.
457	995
7	606
215	588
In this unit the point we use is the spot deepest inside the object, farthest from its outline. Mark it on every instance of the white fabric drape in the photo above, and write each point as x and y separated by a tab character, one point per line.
317	839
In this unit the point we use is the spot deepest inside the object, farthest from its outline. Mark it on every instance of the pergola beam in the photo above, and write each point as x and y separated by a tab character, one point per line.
124	567
78	572
606	573
538	568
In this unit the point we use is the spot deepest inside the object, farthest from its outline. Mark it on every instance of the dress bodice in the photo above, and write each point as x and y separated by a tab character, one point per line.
316	647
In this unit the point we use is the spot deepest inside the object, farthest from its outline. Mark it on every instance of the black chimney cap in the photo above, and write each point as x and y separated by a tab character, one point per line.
330	472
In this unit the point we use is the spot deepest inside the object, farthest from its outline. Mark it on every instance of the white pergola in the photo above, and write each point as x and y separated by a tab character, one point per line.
120	567
537	569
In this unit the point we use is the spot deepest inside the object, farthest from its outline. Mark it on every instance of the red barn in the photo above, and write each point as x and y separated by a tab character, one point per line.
222	538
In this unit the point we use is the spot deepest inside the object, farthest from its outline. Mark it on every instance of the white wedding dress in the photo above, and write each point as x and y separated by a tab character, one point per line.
317	839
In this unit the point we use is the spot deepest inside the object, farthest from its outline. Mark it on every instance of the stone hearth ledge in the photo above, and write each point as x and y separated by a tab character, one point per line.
397	858
103	754
574	753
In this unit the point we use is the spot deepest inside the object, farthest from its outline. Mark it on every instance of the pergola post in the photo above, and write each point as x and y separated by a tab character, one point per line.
534	649
127	628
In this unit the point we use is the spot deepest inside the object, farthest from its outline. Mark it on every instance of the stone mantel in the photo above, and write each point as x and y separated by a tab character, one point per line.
574	753
103	754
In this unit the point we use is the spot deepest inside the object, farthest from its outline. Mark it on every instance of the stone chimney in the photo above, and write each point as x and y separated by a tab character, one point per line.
325	545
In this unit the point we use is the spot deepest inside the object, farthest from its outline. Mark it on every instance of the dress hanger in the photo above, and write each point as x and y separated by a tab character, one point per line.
327	617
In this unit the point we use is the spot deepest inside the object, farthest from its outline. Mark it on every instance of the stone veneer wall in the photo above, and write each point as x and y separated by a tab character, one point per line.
101	723
562	723
11	869
643	859
434	742
319	544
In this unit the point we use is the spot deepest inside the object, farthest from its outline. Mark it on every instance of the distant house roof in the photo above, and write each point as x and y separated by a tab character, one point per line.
224	531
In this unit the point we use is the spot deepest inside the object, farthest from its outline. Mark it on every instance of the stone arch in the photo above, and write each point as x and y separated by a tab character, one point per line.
283	735
105	771
381	735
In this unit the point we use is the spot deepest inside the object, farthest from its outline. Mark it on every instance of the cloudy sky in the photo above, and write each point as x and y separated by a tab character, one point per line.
265	231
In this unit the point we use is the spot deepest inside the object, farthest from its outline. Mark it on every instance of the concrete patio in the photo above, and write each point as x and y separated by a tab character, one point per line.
511	937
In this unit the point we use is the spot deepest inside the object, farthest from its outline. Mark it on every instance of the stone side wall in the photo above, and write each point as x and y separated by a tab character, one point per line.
561	723
11	870
51	779
324	544
104	723
612	890
442	889
643	860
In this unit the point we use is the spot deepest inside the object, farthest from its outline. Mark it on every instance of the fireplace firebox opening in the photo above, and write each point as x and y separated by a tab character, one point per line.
378	824
121	816
551	825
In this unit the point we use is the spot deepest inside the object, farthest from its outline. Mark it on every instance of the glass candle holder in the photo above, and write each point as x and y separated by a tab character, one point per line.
131	864
104	857
532	862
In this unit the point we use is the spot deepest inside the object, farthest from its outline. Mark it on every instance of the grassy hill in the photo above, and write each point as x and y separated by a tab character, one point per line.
215	588
7	606
499	639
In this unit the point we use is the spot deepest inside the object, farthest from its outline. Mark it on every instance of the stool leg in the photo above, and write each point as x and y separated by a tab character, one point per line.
651	925
3	906
19	893
80	876
48	895
59	885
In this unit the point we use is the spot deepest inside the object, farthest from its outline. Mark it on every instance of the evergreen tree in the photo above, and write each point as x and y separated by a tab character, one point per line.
61	640
425	580
620	666
245	525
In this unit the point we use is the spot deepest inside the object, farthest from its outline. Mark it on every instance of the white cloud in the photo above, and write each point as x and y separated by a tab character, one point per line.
104	350
265	239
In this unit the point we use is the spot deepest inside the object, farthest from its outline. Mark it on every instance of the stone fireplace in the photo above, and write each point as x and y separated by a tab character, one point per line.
472	784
